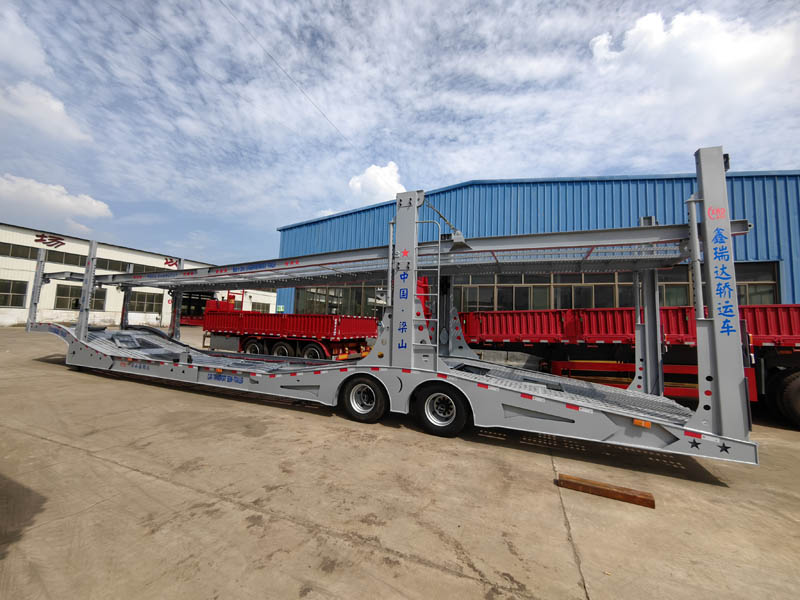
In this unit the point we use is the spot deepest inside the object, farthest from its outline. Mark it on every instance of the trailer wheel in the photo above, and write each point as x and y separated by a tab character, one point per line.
364	399
313	351
253	347
442	409
283	349
789	398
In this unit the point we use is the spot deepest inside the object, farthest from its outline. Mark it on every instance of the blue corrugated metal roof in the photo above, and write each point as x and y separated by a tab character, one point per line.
535	180
481	208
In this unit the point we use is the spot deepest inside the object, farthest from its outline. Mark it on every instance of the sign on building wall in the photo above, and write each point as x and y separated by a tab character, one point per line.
48	239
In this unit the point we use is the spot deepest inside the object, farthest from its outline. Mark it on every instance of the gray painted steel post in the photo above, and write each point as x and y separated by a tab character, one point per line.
36	289
654	363
694	247
174	330
722	387
82	327
126	300
404	321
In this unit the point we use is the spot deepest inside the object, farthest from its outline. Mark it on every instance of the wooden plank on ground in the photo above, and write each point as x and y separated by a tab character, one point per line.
606	490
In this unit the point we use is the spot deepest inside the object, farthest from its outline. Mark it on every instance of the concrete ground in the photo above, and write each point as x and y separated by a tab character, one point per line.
111	488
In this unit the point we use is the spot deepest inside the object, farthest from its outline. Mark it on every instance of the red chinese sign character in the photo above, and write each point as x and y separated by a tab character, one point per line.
715	213
171	262
48	239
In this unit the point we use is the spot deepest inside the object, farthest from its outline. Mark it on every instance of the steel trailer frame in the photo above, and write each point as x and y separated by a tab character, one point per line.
421	356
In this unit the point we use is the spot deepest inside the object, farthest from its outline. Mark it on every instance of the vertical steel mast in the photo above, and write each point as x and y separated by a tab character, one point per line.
722	388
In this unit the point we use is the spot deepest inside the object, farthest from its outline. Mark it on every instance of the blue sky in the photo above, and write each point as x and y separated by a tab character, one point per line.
197	128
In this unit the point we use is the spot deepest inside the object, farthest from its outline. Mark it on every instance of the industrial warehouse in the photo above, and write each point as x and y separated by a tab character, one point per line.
19	247
767	263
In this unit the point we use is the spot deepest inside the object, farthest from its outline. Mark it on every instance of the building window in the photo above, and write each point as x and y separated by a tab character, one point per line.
12	293
757	283
354	300
68	297
146	302
18	251
261	307
673	286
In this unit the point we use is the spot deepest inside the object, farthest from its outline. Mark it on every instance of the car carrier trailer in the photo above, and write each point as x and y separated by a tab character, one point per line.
421	363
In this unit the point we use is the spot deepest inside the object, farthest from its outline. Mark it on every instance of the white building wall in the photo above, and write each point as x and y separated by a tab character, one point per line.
21	269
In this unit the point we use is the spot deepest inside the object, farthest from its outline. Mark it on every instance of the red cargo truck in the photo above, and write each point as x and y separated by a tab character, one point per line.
593	344
598	345
310	336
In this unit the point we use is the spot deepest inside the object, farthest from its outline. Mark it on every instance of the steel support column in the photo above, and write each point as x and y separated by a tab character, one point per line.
82	327
722	388
406	317
174	330
126	300
36	289
654	364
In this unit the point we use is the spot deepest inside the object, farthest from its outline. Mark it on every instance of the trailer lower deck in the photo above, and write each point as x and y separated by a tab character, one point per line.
498	396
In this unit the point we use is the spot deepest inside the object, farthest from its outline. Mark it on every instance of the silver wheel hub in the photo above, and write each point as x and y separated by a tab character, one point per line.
362	398
440	409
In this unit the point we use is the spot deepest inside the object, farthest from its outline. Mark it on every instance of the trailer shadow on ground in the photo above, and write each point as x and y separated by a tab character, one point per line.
18	507
670	465
762	415
52	359
658	463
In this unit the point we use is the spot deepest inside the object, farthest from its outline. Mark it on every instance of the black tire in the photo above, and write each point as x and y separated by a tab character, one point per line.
442	410
364	399
253	347
283	349
313	351
774	390
789	398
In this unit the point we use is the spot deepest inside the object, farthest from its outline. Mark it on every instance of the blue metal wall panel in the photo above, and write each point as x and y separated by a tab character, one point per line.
770	200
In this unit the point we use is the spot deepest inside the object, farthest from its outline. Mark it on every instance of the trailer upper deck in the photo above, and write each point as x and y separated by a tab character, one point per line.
629	249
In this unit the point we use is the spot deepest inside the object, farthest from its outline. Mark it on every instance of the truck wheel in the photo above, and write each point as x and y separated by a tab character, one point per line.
442	409
282	349
313	351
253	347
774	389
789	398
364	399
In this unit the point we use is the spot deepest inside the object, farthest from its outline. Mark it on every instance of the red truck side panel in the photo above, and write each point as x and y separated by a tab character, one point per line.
774	324
606	325
319	327
520	326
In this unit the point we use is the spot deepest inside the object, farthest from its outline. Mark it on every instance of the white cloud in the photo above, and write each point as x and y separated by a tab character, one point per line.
36	107
34	204
193	243
192	120
20	48
698	79
377	184
143	218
